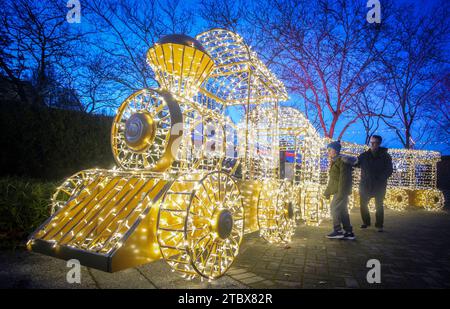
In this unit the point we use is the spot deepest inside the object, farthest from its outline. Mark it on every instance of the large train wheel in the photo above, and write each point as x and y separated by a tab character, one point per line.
276	213
68	189
146	131
396	199
430	199
201	224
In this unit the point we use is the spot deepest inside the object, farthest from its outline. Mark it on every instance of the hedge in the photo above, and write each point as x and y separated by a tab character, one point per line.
51	144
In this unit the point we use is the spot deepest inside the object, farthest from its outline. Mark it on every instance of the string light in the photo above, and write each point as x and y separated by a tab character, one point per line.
188	194
413	178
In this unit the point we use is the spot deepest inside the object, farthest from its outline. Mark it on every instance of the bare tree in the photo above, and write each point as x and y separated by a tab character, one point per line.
370	107
347	71
125	31
225	14
327	54
434	124
102	60
96	89
39	38
11	64
441	106
416	68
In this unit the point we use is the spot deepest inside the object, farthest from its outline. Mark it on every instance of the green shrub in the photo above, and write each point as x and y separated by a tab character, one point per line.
24	205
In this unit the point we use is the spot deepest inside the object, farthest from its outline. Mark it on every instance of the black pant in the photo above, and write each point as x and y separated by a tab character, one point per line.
339	214
379	208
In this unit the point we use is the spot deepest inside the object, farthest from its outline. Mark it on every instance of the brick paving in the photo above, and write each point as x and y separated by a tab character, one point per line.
414	252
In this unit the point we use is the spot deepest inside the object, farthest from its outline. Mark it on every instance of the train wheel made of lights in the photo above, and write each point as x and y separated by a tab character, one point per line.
201	224
146	131
396	199
68	188
430	199
276	217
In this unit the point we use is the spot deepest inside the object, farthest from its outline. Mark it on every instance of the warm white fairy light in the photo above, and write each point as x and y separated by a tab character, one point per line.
97	210
414	176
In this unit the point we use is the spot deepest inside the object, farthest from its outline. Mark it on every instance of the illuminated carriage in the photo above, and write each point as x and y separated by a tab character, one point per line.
298	139
413	182
189	182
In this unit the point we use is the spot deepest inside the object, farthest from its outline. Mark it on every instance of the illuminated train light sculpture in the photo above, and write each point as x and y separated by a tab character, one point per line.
187	187
190	181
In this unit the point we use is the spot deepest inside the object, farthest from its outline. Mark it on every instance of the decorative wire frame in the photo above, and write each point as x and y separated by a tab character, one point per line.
430	199
297	200
185	233
94	218
294	134
151	102
189	153
396	199
276	212
68	189
178	68
239	76
206	143
213	148
315	208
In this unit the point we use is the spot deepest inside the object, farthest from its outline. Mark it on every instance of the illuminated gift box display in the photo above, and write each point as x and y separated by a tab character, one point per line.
205	158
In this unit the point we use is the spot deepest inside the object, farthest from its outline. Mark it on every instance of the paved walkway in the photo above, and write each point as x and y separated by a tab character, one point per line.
414	252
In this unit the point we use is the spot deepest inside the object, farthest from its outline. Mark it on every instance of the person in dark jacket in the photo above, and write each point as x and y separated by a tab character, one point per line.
340	186
376	168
